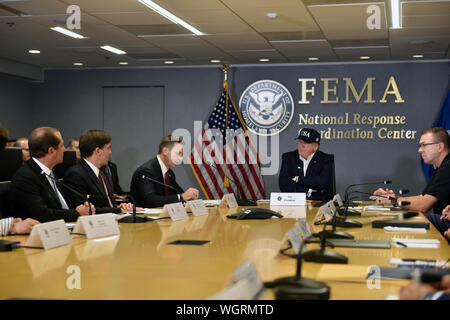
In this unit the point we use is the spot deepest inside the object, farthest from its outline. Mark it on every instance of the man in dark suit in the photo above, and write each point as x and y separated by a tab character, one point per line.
151	194
87	178
307	169
34	191
110	171
74	144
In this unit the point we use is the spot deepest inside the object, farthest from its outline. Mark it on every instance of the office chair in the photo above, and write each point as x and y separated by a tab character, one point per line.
10	162
5	210
69	160
332	184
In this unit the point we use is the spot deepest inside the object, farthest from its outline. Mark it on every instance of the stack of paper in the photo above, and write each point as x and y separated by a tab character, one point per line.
416	243
401	229
377	208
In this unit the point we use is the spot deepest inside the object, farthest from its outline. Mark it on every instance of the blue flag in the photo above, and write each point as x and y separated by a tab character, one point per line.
443	121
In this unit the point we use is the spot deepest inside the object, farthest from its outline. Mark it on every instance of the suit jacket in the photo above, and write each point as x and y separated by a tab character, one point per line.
83	179
318	176
150	194
114	177
32	196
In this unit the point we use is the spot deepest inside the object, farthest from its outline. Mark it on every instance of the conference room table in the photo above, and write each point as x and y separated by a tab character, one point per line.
141	264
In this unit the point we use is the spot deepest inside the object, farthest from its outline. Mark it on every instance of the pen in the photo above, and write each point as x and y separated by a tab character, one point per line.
401	244
415	266
414	260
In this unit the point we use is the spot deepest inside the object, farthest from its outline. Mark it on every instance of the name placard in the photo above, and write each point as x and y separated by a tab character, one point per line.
323	213
175	211
287	199
228	200
247	272
338	199
295	238
332	207
303	227
99	225
49	235
197	207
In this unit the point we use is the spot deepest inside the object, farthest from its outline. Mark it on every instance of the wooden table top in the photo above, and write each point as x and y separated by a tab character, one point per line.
139	263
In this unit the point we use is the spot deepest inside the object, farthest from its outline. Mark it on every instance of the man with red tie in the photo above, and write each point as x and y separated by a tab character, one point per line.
87	178
154	184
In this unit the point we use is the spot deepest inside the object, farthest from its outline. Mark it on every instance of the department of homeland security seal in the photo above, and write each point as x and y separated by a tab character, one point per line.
267	107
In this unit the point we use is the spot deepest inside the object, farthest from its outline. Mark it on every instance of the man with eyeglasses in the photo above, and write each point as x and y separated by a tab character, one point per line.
87	178
434	147
23	143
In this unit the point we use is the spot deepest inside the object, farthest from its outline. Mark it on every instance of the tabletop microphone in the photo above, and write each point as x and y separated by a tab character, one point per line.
133	218
363	184
144	177
87	196
383	195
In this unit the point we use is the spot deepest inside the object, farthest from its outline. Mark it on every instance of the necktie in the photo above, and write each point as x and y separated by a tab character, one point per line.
109	175
55	188
105	188
167	182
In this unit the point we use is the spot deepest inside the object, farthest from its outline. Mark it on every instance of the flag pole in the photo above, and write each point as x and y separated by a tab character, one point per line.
226	182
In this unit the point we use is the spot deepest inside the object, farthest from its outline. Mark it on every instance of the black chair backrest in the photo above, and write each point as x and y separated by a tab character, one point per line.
10	162
5	210
333	179
69	160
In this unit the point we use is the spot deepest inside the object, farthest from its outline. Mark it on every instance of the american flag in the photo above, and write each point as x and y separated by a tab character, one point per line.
216	157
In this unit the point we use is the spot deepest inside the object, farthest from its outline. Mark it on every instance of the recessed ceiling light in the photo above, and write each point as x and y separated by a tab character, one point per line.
169	62
68	33
313	59
272	15
364	58
34	51
77	63
170	16
215	61
123	63
418	56
264	60
113	50
396	14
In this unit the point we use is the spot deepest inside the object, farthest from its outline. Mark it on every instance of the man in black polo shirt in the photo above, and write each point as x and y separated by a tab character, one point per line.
434	147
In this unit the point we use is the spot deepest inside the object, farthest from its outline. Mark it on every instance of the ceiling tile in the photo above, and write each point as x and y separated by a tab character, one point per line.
339	22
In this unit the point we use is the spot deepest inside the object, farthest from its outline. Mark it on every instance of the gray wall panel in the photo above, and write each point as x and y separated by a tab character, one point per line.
16	98
72	100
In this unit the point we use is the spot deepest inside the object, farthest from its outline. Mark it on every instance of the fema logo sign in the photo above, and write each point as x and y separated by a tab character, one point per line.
267	107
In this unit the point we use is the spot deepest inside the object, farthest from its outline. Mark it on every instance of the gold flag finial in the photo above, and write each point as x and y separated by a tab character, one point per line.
225	71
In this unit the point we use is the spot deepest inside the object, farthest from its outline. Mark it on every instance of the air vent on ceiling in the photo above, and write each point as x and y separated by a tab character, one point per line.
359	43
154	29
154	56
292	36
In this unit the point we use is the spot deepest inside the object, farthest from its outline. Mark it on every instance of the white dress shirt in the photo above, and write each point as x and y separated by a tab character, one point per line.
164	169
305	168
49	172
306	162
94	168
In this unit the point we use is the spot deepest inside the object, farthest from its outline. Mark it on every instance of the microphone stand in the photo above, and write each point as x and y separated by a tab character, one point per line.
133	218
87	197
144	177
298	287
324	255
333	233
346	200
